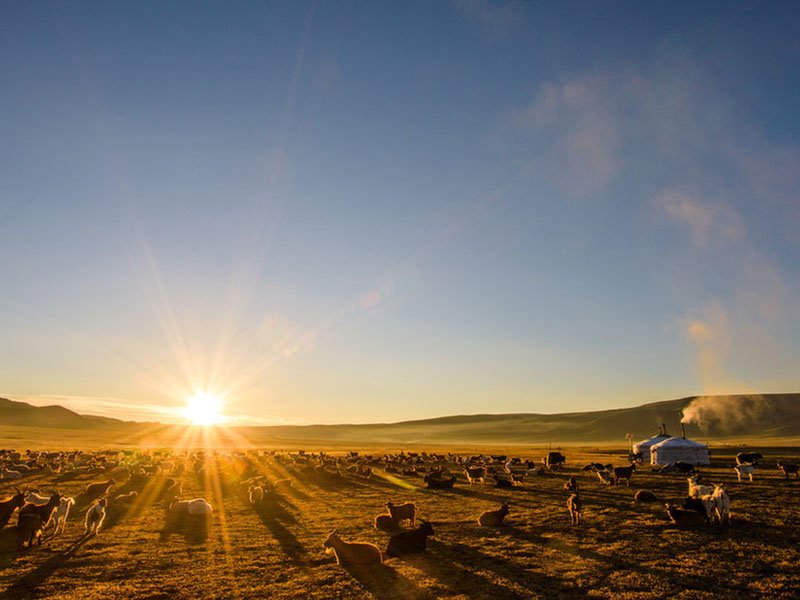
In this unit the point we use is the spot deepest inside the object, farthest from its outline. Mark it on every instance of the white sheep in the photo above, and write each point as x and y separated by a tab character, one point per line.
60	515
95	516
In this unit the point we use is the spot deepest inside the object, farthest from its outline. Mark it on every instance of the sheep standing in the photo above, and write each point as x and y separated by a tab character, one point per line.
95	517
574	506
625	473
494	518
352	553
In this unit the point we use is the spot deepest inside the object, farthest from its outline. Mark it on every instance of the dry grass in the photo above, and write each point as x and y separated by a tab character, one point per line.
622	550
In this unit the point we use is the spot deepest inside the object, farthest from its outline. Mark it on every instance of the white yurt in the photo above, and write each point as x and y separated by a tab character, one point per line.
643	448
677	449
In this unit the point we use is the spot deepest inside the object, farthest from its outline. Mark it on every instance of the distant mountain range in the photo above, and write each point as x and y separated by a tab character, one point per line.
751	415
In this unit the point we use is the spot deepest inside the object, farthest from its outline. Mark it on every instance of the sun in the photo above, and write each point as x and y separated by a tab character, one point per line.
203	408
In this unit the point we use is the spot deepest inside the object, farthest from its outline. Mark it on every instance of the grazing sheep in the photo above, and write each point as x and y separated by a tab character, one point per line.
475	474
403	512
123	499
722	504
9	505
255	494
748	458
410	542
42	513
680	516
574	506
623	473
554	460
745	469
95	517
95	490
60	515
385	522
645	496
788	468
494	518
352	553
696	489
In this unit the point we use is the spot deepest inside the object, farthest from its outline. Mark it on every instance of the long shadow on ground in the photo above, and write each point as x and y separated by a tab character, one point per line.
26	586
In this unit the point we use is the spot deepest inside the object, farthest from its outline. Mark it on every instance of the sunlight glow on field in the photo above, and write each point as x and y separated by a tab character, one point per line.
203	408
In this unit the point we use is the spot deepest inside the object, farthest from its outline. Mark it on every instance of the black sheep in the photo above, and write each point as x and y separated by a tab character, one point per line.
410	542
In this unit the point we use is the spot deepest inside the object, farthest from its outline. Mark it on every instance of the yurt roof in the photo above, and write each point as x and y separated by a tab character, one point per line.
655	439
677	441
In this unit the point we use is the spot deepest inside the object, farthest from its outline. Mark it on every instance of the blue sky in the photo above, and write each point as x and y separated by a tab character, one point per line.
359	211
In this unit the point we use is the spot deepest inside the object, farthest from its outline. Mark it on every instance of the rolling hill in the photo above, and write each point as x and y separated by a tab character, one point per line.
708	417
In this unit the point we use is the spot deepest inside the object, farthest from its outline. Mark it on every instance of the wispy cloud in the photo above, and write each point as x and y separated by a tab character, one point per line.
495	16
708	221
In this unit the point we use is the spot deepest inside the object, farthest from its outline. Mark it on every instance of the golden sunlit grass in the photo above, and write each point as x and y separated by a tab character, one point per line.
274	550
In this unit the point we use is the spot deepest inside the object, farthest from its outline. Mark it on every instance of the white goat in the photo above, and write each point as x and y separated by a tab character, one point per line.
95	517
60	515
745	469
697	489
604	477
722	504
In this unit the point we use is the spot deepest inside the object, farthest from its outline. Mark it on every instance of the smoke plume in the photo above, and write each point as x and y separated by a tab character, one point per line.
726	414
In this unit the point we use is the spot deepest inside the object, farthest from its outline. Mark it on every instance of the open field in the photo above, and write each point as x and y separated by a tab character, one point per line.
622	550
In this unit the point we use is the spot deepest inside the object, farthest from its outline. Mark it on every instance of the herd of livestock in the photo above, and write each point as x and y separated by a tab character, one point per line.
129	478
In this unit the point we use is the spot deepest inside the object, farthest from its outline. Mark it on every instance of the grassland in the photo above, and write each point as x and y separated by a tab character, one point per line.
622	550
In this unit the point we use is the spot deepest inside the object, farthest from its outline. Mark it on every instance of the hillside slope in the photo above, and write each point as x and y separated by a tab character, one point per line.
708	417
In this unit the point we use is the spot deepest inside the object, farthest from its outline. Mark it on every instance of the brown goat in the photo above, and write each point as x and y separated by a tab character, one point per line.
9	505
40	514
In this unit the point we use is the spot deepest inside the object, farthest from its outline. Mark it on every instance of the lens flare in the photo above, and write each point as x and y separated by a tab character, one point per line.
203	408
